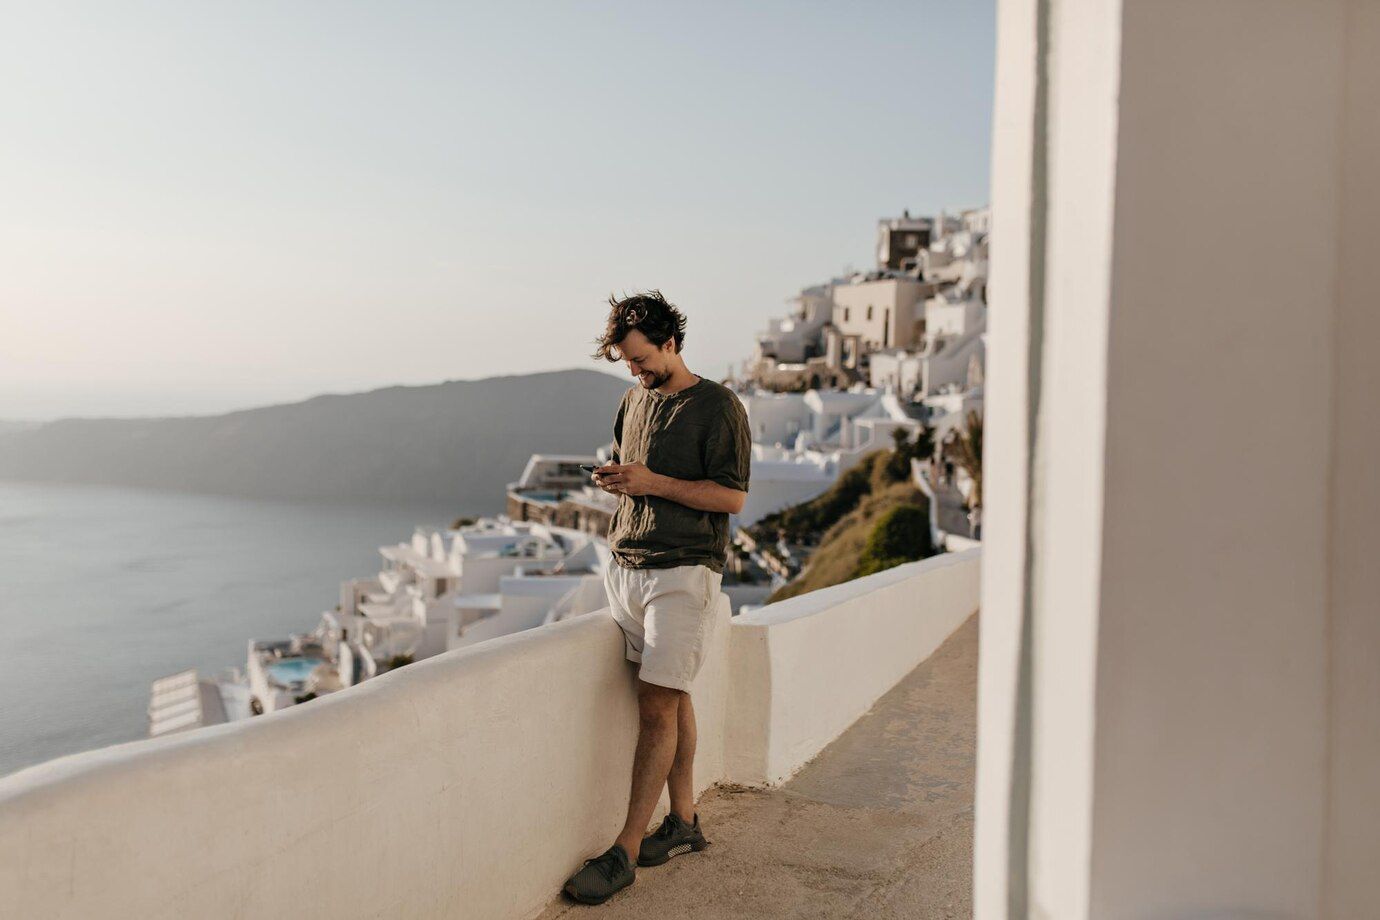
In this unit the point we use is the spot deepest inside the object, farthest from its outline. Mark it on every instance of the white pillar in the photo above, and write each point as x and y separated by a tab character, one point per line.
1180	688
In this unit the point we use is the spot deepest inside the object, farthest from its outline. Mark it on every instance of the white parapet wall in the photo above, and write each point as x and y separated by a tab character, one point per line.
467	785
805	669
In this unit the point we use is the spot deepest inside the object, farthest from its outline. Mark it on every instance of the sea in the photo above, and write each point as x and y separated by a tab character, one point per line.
102	590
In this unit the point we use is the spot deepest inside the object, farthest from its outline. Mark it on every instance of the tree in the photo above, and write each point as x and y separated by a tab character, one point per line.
904	450
966	449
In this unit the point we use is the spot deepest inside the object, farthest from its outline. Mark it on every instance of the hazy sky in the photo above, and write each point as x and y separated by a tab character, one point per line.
207	206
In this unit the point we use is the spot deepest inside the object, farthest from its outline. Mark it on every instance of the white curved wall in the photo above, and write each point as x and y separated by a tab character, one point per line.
468	785
806	668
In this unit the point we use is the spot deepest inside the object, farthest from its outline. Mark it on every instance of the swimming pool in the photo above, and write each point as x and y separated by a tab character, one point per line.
293	670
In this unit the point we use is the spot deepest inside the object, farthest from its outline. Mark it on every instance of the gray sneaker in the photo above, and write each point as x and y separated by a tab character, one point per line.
673	838
601	877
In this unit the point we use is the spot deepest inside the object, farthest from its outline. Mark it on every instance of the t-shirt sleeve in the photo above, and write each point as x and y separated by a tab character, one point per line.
728	449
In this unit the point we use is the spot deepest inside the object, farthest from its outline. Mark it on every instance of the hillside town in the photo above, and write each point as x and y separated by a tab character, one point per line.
865	405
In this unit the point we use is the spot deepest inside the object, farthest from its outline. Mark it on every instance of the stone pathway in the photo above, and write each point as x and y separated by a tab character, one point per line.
879	825
953	514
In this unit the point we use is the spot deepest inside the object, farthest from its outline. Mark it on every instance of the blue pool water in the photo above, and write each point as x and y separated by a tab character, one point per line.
293	670
543	495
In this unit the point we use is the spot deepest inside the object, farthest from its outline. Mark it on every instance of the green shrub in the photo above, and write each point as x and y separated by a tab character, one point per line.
900	535
887	470
870	519
840	549
824	510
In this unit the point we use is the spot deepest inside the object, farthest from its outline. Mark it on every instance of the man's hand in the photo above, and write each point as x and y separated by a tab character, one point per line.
701	494
627	479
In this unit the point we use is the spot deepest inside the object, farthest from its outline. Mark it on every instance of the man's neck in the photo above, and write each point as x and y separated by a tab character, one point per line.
679	380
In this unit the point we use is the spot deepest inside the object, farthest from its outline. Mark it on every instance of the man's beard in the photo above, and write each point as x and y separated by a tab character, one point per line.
656	381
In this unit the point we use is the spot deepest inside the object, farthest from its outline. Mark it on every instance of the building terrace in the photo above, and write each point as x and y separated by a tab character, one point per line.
470	784
1178	679
878	826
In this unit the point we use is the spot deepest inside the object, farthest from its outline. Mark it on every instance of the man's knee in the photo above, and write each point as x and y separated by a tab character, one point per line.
657	705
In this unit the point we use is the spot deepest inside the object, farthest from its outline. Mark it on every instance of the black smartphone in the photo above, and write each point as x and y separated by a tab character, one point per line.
588	468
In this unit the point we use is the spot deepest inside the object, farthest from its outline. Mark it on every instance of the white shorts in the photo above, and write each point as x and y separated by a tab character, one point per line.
667	616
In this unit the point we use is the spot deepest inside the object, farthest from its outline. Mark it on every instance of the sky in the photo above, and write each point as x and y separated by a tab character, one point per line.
212	206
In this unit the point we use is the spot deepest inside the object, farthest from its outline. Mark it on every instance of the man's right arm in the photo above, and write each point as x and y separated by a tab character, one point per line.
616	454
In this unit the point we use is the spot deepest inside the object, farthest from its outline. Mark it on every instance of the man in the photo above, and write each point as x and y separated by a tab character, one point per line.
681	457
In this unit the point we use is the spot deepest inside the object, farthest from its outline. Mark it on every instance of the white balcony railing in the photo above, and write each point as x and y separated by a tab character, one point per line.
469	784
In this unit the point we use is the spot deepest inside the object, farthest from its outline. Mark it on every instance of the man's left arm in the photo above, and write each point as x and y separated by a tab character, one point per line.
704	494
727	456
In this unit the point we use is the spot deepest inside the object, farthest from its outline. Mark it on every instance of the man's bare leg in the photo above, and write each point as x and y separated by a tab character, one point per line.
681	782
658	709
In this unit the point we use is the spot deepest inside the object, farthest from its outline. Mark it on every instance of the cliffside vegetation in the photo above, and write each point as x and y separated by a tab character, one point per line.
871	519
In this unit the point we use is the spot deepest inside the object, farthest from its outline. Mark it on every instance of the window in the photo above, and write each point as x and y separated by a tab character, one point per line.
845	314
869	311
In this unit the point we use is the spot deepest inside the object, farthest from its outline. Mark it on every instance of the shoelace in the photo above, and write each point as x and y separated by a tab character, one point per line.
667	828
606	864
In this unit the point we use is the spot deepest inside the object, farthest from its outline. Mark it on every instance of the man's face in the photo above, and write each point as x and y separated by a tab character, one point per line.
649	364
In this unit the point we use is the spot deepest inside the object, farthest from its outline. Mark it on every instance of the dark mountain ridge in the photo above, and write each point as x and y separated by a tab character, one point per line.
458	442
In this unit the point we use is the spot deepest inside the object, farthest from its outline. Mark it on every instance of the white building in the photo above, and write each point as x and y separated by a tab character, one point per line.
901	239
442	589
797	337
831	338
944	371
283	672
960	249
802	442
897	369
955	266
183	701
554	490
520	582
803	349
880	310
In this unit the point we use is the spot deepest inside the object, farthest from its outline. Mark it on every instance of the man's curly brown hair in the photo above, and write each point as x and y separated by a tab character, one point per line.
649	313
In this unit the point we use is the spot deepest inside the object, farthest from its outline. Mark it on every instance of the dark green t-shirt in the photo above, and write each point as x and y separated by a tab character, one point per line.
700	432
